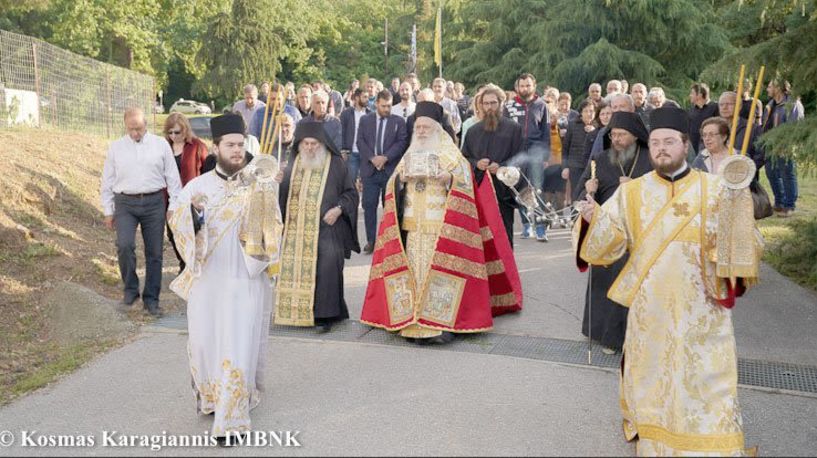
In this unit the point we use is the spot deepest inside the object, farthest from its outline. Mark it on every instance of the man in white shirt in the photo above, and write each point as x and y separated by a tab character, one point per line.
449	106
247	107
405	108
139	167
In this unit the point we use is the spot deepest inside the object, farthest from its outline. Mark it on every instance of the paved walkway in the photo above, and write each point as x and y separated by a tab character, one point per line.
350	396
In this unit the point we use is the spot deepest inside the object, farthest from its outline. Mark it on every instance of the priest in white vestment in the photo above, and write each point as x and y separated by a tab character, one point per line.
228	229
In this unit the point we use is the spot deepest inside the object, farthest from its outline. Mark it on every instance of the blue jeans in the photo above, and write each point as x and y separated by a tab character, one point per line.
782	175
353	163
374	190
149	213
533	166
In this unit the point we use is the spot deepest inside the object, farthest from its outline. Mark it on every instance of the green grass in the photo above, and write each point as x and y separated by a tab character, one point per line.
791	243
38	250
62	362
108	274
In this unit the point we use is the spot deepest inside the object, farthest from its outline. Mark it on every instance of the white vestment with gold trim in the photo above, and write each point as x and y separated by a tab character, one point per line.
229	303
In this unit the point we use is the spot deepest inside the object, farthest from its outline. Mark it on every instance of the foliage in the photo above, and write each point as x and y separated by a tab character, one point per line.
208	49
572	44
783	37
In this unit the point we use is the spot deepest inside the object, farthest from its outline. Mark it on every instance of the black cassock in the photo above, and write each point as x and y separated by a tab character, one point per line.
609	319
500	146
335	242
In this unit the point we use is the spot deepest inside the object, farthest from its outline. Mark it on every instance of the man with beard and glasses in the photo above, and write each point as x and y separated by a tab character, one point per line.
318	202
226	281
494	141
693	247
441	264
626	159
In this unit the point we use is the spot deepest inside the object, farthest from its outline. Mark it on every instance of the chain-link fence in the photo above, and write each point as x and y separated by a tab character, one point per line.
44	85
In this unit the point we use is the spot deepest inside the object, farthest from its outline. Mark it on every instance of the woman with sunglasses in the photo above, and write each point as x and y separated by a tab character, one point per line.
189	152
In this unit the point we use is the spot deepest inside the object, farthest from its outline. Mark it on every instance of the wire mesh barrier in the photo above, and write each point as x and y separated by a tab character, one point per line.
47	86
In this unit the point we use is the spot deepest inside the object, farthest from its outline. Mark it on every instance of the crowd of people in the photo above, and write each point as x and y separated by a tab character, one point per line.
641	172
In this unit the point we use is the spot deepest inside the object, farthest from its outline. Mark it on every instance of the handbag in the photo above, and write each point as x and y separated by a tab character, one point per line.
760	201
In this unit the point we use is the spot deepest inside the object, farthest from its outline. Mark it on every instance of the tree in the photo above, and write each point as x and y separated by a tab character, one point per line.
572	44
244	46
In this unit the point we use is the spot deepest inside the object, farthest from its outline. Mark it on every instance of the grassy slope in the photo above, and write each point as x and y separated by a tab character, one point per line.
50	231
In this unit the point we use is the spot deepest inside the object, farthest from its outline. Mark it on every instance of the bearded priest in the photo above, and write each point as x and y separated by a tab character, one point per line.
228	232
319	204
693	247
430	275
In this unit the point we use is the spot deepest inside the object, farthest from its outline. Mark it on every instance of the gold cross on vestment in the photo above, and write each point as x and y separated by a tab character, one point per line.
680	209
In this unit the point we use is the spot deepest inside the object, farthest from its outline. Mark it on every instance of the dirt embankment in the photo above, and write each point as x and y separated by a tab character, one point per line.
58	274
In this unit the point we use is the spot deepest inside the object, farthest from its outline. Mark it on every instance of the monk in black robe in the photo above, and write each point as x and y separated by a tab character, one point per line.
493	142
318	202
627	158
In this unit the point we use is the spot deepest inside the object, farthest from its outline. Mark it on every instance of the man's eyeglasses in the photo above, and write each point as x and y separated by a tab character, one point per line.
491	103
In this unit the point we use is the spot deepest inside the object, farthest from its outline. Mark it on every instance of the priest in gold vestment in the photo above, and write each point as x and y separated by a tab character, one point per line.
693	248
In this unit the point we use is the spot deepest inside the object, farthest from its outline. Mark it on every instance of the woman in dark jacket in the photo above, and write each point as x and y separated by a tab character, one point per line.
580	135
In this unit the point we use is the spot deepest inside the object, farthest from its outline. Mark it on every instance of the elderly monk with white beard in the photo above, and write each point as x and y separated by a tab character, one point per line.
430	276
319	203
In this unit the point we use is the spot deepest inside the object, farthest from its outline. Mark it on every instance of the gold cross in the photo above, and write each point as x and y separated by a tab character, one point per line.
681	209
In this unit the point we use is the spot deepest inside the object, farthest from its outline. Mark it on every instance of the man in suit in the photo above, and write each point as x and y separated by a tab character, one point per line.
382	140
350	121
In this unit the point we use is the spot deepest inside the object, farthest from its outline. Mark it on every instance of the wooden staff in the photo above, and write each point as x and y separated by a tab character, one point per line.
736	114
590	289
751	120
265	140
280	128
264	124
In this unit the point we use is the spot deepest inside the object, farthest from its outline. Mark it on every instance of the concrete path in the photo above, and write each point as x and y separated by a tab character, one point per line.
367	399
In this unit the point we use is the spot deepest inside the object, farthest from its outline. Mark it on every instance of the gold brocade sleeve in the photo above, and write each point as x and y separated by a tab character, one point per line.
190	245
262	226
606	239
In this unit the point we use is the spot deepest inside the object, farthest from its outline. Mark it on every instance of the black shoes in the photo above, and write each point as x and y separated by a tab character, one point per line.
153	309
324	328
125	305
441	339
368	249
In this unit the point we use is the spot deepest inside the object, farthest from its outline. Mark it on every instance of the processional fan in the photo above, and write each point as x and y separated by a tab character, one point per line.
260	225
530	198
264	166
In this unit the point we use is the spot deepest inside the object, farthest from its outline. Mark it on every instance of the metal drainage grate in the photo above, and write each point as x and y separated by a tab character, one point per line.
766	374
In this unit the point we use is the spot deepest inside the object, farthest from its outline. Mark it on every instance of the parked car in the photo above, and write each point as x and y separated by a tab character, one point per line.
190	107
201	127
